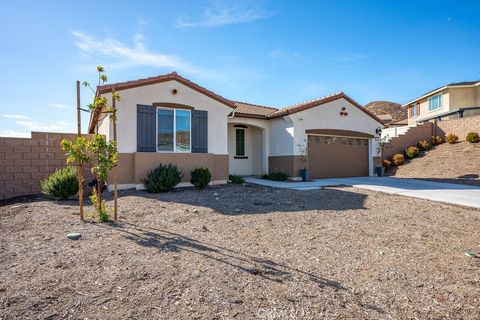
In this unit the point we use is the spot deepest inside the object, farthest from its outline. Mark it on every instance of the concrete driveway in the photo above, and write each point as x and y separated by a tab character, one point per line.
436	191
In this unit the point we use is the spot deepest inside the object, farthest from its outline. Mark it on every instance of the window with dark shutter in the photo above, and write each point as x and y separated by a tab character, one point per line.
146	128
199	131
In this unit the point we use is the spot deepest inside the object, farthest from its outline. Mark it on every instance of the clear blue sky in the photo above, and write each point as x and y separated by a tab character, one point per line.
266	52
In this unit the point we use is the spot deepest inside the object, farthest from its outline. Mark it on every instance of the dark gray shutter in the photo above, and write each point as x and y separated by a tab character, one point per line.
199	131
146	128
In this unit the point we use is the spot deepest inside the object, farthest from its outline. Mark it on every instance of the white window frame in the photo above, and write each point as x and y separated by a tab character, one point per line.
174	129
439	103
415	107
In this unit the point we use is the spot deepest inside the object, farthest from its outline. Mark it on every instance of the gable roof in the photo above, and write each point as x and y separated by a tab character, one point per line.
466	84
387	111
242	109
153	80
317	102
162	78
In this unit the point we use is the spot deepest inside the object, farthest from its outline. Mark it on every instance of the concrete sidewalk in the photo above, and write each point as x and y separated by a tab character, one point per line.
436	191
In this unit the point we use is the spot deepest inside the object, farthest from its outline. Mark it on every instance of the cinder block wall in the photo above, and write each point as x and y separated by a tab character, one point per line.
26	161
411	138
459	127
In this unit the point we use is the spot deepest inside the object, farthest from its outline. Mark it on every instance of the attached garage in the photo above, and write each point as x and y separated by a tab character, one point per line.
335	156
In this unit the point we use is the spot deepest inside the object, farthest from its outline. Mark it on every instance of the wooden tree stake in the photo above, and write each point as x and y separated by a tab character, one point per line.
79	165
115	176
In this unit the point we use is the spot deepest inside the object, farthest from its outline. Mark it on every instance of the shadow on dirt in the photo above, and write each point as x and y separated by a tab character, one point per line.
166	241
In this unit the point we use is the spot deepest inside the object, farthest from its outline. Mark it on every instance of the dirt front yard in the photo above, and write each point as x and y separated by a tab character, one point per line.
242	252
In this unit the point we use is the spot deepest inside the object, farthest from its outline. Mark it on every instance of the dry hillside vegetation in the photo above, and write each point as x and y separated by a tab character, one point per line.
242	252
455	163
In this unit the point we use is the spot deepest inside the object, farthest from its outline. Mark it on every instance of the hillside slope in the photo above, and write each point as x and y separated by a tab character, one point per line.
455	163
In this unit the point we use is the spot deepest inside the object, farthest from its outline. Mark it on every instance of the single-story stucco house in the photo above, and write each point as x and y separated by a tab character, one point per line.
169	119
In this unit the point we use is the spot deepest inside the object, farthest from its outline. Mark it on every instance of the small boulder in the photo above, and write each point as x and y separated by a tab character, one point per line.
74	235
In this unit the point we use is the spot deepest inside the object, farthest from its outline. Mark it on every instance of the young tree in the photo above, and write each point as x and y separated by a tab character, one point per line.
100	154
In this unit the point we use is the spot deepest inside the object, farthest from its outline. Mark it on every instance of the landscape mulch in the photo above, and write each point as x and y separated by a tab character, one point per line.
242	252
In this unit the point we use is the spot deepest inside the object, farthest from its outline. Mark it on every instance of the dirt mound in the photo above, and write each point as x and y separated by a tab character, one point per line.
455	163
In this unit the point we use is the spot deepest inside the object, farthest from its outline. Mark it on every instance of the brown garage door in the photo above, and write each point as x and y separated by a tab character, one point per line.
335	157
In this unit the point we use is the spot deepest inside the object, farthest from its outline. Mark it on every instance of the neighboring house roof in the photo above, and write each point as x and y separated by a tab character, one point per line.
389	112
400	123
463	84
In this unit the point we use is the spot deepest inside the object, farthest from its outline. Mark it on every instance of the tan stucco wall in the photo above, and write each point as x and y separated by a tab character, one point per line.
477	95
290	165
452	98
423	103
134	167
162	92
462	97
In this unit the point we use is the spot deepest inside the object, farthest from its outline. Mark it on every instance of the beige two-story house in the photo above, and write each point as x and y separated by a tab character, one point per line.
454	100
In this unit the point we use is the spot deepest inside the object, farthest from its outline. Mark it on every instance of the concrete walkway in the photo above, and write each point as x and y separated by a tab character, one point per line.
436	191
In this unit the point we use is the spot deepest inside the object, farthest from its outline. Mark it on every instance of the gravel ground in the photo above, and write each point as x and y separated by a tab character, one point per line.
242	252
452	163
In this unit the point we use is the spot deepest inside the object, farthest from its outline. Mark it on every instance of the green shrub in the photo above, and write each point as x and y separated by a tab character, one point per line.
163	178
200	177
451	138
472	137
236	179
386	163
99	208
436	140
423	145
398	159
276	176
412	152
62	184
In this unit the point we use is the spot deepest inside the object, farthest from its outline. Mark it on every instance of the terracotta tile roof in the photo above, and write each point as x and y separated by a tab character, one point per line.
242	109
152	80
383	109
162	78
252	110
306	104
316	102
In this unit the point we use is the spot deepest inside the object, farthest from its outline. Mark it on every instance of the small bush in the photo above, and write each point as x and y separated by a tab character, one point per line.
200	177
472	137
386	163
62	184
276	176
451	138
99	208
236	179
398	159
423	145
436	140
412	152
163	178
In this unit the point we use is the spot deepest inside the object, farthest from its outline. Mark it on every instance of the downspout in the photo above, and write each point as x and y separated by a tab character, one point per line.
232	116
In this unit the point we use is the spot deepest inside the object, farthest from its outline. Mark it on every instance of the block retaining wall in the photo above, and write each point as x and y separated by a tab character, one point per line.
26	161
459	127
